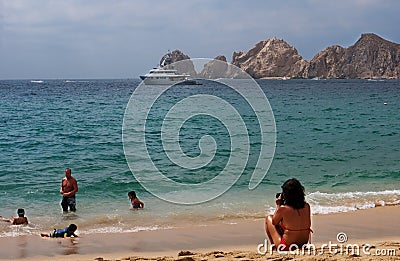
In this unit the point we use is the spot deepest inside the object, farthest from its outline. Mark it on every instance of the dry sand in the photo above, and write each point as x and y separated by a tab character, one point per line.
238	240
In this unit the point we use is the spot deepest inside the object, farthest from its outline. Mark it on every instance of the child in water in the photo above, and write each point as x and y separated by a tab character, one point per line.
136	203
66	232
20	220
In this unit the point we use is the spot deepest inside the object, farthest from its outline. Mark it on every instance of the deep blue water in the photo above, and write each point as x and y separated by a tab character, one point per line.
340	138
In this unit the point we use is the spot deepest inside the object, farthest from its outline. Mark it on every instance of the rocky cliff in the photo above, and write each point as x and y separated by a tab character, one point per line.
326	62
179	61
271	58
370	57
217	68
172	57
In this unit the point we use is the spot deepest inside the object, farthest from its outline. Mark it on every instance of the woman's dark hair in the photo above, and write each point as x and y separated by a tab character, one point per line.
132	194
293	194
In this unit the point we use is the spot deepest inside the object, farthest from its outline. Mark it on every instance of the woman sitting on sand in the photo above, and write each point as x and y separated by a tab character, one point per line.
291	222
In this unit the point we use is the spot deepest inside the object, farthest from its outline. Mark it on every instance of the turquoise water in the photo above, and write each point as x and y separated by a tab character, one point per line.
340	138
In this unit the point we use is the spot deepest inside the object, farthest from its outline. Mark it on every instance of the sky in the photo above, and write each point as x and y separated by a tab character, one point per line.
89	39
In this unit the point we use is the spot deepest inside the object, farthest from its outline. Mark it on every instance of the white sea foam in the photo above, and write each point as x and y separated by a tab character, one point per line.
324	203
354	194
105	230
16	230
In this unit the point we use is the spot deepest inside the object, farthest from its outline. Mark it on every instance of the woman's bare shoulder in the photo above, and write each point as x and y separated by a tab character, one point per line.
285	208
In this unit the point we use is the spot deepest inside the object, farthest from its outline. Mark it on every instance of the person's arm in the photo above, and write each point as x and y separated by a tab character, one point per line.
277	217
68	234
61	187
6	220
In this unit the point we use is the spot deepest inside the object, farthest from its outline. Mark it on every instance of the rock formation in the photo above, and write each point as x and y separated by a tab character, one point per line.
217	68
220	68
179	61
370	57
326	62
271	58
172	57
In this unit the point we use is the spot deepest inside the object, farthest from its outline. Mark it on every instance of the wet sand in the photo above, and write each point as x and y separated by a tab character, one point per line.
237	240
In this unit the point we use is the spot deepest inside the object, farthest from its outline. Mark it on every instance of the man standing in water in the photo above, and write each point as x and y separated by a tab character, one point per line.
68	189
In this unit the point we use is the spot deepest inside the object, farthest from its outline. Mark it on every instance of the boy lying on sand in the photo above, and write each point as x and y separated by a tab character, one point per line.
66	232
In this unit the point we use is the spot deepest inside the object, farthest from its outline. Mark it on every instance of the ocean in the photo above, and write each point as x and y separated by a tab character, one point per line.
340	138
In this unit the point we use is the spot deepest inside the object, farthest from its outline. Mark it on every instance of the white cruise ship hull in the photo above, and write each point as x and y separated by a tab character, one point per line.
162	80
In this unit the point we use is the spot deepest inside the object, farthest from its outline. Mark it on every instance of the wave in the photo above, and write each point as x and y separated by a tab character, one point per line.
114	229
325	203
17	231
75	81
8	230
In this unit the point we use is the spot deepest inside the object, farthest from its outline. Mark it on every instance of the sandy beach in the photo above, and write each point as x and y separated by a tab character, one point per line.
233	240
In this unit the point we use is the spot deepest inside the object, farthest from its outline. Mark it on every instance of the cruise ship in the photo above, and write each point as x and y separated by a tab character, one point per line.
160	76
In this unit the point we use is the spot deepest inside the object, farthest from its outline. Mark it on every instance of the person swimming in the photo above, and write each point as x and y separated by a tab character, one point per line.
136	203
20	220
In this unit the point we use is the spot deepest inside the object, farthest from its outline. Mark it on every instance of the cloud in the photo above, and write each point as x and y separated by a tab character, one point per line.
121	38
